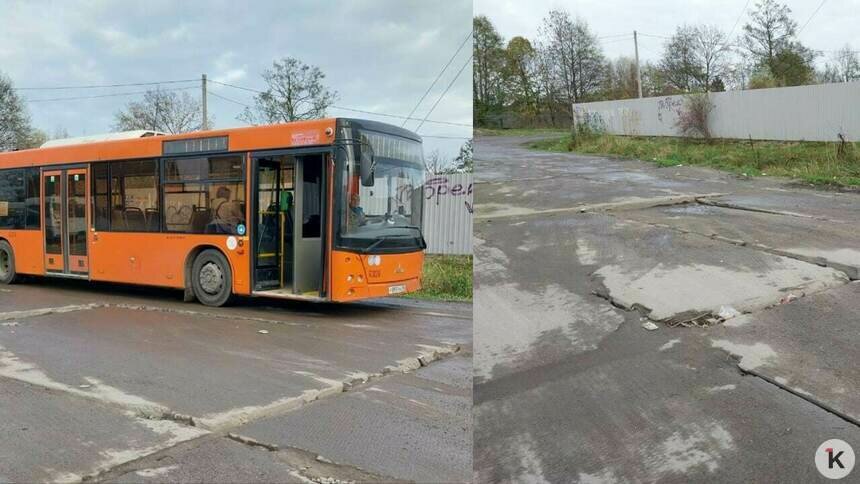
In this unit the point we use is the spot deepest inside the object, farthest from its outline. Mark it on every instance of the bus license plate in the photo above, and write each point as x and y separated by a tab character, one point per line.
399	289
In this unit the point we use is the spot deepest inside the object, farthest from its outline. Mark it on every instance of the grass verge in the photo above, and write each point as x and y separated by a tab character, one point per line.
446	278
812	162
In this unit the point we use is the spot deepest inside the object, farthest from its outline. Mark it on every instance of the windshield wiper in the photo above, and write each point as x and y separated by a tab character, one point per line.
383	238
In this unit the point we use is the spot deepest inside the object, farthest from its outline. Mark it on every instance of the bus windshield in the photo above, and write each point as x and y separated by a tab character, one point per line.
387	215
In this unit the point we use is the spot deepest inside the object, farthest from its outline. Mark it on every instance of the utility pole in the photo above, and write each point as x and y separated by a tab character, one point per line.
205	124
638	73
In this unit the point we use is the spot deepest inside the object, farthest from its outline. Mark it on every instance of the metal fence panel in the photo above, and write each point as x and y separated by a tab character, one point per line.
811	113
448	211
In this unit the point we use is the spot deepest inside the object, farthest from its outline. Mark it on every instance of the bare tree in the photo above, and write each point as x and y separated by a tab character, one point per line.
295	92
844	66
576	53
165	111
14	121
711	54
694	58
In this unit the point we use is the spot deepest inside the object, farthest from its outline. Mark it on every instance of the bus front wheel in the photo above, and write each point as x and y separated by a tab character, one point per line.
212	280
7	263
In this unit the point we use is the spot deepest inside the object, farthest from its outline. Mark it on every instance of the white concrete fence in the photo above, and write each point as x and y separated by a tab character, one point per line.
448	211
811	113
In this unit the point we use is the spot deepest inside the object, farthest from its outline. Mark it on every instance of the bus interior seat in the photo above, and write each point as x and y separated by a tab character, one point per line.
200	219
152	219
134	219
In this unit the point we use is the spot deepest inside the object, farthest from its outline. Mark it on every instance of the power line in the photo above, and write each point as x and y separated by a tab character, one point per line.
438	76
407	118
810	17
116	94
94	86
738	20
468	61
237	87
228	99
343	108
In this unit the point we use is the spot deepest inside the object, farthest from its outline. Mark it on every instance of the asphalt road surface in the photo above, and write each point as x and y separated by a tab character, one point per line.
753	362
115	384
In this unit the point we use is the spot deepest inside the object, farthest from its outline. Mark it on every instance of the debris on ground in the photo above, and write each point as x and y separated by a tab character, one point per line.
789	298
728	312
263	331
649	326
10	324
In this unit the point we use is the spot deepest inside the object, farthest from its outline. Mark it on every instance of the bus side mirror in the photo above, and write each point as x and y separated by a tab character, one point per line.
368	164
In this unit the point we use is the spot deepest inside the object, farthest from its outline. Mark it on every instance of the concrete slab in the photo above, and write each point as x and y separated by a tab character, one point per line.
415	427
53	436
217	460
816	241
203	366
647	407
810	347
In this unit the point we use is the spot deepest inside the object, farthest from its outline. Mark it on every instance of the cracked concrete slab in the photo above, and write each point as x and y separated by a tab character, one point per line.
629	412
49	435
810	346
414	427
815	241
209	460
574	388
209	367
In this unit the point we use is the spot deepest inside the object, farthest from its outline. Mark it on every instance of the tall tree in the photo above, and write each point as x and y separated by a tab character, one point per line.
295	91
488	66
769	39
694	58
574	49
165	111
519	72
678	62
844	66
15	131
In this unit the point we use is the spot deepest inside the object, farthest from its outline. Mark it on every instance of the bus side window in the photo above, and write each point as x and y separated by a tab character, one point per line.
12	199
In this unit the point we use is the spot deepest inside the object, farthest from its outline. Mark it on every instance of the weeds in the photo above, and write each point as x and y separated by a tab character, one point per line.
446	278
818	163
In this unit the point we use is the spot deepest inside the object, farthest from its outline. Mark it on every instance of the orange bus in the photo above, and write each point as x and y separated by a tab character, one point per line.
320	210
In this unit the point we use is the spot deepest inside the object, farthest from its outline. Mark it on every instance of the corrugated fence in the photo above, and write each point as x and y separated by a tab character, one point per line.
448	213
811	113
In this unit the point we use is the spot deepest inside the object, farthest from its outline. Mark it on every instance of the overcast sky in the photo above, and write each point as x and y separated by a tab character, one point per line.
834	25
380	55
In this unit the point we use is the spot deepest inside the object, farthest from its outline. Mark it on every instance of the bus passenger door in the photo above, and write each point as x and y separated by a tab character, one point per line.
273	227
309	226
65	221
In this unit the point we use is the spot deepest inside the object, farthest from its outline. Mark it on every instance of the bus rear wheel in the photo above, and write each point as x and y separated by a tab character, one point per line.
212	280
7	263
